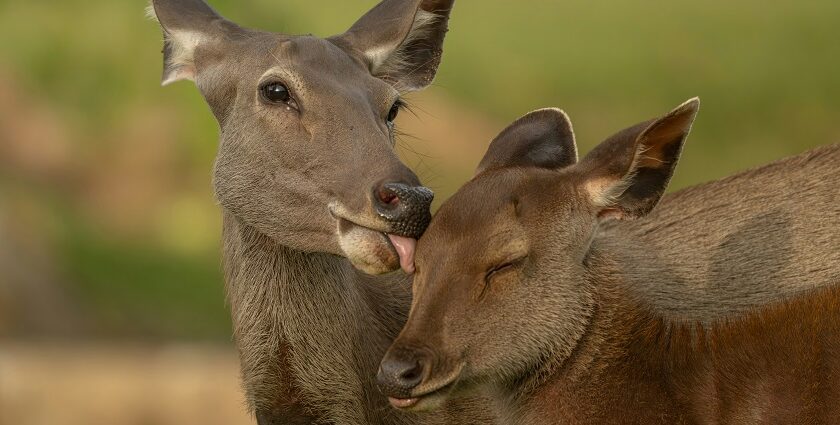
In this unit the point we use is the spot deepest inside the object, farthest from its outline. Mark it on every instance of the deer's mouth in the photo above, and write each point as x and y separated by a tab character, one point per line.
430	397
369	245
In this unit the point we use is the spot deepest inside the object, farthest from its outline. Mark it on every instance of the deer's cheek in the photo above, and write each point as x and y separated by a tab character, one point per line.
368	250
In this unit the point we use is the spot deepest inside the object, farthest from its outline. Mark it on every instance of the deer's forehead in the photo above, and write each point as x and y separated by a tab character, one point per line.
499	206
498	194
314	51
317	65
473	216
316	58
474	211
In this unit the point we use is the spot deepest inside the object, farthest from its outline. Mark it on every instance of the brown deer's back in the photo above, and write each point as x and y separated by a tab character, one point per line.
761	236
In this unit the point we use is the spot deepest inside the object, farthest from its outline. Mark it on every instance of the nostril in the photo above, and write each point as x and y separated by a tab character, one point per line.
398	376
405	208
388	197
411	376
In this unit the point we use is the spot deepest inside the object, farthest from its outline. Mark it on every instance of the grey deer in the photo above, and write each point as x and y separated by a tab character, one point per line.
313	196
527	286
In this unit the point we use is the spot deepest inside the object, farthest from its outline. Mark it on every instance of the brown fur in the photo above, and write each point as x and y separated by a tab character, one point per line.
541	283
776	365
702	240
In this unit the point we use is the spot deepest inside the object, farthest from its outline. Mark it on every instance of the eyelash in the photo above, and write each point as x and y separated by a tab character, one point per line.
397	107
505	267
499	269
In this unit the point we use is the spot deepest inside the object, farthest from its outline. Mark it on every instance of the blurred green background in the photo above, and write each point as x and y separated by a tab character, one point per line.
108	228
108	224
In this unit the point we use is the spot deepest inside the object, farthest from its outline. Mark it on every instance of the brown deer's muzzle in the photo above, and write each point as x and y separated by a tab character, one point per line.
416	379
400	372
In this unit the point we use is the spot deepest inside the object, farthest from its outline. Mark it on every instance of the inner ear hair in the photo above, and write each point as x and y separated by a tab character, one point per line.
399	61
179	55
629	172
609	191
188	26
400	41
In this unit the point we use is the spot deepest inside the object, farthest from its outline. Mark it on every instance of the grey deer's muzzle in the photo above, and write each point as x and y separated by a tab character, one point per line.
406	208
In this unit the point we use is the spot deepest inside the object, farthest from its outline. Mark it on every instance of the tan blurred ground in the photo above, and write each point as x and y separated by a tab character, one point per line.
57	384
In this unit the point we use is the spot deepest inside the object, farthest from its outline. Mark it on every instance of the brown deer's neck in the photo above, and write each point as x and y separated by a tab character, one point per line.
308	323
616	372
608	371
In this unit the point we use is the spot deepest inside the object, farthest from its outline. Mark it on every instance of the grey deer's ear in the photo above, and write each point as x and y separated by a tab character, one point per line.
626	175
190	27
543	138
401	41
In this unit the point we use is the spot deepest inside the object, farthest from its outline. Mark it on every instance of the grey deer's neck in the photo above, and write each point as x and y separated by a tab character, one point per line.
308	323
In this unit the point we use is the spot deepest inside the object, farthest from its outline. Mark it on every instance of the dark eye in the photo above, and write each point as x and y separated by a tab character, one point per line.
395	110
275	93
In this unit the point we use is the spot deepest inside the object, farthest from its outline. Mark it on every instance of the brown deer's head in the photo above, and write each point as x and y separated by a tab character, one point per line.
501	282
307	124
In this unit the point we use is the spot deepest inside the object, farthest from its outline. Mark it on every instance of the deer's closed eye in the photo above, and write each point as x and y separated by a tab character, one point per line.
499	271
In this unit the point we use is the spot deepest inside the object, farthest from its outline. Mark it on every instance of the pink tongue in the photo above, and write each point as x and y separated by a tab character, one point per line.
405	249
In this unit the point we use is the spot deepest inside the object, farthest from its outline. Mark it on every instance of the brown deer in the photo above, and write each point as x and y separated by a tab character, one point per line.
313	196
530	287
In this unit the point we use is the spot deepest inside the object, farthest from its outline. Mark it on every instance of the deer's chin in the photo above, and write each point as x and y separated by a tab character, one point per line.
368	250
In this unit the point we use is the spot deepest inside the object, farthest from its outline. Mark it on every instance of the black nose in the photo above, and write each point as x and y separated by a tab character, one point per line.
399	373
407	208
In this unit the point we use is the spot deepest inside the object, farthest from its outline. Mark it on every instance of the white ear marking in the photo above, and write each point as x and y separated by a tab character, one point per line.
181	58
605	192
387	59
377	56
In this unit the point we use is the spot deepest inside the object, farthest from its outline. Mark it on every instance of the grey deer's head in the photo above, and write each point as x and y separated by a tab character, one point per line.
307	124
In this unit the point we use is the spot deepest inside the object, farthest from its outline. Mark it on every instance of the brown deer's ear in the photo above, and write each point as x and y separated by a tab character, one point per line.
627	174
401	40
543	138
188	25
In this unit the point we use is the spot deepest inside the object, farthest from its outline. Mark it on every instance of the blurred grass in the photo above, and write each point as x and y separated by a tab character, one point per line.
767	73
151	293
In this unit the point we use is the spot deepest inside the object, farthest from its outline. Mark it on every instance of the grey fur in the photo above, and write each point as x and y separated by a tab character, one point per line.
310	328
